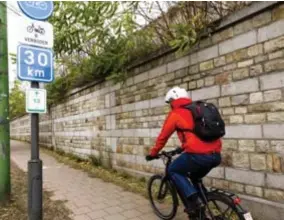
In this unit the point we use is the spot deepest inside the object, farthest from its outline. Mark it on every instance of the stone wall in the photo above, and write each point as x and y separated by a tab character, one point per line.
240	69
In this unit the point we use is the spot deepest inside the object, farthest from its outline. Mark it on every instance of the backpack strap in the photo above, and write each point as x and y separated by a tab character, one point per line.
193	108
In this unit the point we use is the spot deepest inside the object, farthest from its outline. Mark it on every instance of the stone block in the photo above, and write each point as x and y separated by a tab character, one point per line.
209	81
178	64
223	78
206	93
238	42
208	53
228	111
108	122
230	144
261	19
243	131
276	54
255	50
240	73
128	107
112	99
273	131
243	27
245	63
223	35
240	55
157	102
107	101
225	102
112	122
161	70
270	31
230	67
240	160
260	58
184	86
180	73
258	161
218	172
278	13
246	145
192	85
113	144
143	132
240	100
237	187
245	176
193	58
262	146
207	65
255	118
244	86
193	69
275	116
200	83
274	65
277	147
240	110
220	184
276	163
272	95
236	119
274	195
142	105
275	181
220	61
256	97
254	190
272	81
266	107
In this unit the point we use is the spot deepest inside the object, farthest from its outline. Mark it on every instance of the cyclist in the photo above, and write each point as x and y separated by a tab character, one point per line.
199	157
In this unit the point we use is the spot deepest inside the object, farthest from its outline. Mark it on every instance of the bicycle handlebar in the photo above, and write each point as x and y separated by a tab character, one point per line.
168	154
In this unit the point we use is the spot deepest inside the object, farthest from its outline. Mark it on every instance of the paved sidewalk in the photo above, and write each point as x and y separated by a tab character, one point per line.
88	198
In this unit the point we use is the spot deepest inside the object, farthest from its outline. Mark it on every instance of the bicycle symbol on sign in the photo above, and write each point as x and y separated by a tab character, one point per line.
37	4
38	30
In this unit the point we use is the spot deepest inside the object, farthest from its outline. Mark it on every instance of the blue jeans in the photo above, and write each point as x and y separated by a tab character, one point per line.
198	165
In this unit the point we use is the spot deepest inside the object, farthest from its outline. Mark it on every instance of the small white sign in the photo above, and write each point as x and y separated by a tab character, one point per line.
248	216
37	33
36	100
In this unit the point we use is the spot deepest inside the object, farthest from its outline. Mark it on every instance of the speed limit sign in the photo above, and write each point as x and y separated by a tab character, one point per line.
35	64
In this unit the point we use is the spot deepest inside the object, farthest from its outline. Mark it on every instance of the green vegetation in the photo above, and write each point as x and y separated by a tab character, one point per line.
16	101
99	40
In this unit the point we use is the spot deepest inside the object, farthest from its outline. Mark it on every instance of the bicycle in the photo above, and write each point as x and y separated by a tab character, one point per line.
215	200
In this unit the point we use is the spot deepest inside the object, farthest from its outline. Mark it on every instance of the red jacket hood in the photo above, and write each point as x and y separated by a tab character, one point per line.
180	102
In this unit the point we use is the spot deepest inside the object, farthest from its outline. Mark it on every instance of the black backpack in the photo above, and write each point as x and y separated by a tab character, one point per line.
208	123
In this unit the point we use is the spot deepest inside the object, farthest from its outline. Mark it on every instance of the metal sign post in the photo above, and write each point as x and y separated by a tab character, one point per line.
35	64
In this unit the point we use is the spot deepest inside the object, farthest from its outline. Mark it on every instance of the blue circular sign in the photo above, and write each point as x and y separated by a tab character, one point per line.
38	10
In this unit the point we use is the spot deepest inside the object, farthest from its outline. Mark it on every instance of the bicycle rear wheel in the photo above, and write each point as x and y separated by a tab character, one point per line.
163	197
222	208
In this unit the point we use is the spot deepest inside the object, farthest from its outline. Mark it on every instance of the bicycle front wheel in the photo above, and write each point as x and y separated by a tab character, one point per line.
163	197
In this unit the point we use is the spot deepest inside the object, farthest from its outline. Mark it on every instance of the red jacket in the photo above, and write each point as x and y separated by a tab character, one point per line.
182	118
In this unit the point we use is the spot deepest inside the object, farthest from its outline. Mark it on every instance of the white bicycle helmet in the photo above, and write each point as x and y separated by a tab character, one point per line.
176	93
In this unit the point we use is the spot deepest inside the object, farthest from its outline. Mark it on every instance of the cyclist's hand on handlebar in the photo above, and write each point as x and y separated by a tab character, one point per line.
149	157
179	150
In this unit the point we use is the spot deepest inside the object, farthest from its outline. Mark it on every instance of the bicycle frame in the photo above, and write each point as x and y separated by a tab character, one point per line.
203	192
200	187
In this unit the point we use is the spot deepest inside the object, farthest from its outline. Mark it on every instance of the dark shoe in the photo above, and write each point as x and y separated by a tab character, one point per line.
194	203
